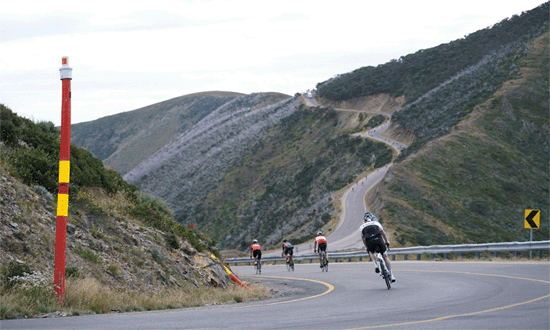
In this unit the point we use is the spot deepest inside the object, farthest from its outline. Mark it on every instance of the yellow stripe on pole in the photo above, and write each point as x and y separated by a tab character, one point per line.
63	205
64	171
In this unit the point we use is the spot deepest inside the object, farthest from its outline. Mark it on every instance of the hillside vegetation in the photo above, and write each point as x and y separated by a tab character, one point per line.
474	184
441	85
124	140
284	185
125	252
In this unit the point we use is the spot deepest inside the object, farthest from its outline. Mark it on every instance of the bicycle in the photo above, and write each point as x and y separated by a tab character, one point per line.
289	263
383	270
324	259
258	266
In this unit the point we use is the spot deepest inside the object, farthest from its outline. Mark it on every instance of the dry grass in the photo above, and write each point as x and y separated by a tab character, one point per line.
84	296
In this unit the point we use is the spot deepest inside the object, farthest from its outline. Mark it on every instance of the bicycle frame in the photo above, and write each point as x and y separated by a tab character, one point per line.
383	270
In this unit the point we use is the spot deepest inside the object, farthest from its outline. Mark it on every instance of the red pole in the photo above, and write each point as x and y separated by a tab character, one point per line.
64	175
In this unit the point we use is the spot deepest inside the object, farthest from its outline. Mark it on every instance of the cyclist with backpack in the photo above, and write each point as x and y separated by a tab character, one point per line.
375	239
320	244
288	250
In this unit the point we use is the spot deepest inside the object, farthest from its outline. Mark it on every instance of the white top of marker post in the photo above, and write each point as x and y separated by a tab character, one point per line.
65	71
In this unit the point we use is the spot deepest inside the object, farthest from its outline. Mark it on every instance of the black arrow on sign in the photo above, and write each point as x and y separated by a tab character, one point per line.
530	217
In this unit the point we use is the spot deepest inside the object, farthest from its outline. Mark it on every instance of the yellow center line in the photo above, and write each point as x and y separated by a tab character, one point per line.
466	314
329	286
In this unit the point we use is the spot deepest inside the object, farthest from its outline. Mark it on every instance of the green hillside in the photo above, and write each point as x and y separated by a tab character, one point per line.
474	184
441	85
286	182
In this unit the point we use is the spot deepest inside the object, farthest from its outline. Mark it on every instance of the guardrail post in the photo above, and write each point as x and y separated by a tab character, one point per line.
477	255
393	257
404	257
445	256
515	254
360	258
432	256
335	260
459	255
495	254
349	259
540	254
418	256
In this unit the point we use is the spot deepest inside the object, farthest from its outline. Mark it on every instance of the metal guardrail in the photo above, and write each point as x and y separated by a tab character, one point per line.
419	250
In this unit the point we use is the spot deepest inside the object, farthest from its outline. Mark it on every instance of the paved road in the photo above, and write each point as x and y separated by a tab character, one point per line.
427	295
345	235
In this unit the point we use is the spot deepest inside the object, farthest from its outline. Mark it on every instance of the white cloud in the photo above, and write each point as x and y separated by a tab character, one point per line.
124	55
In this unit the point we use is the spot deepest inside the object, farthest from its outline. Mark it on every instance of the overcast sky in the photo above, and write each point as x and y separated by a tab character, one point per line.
129	54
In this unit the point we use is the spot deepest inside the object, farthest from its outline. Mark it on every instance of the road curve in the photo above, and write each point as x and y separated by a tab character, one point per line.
427	295
345	235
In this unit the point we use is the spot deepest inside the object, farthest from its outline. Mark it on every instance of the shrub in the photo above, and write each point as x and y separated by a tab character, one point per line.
88	255
172	241
157	256
13	271
72	272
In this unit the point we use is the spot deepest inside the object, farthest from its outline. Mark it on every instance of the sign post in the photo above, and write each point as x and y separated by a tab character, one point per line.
64	174
531	221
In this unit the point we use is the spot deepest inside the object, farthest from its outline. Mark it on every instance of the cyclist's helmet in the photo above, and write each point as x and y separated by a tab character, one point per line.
255	241
369	216
284	240
319	233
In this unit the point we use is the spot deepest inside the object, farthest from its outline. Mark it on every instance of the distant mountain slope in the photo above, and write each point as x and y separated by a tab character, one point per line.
285	184
184	170
441	85
124	140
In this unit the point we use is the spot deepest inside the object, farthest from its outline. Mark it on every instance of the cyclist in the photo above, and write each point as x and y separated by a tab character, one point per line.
256	251
320	244
374	238
288	250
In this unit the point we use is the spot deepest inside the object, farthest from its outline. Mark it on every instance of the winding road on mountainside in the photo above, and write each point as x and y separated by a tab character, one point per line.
346	232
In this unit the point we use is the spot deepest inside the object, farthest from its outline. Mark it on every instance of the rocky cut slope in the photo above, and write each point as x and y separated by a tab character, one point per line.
119	250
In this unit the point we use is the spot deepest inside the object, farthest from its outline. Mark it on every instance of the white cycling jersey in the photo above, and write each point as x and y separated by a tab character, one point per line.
370	223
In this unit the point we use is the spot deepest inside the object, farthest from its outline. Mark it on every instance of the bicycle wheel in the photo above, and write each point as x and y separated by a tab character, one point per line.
385	274
288	265
292	264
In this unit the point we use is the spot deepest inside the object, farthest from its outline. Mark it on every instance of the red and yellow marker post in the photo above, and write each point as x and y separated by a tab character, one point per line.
64	175
230	273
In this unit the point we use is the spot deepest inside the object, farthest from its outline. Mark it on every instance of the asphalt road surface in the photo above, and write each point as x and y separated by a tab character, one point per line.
427	295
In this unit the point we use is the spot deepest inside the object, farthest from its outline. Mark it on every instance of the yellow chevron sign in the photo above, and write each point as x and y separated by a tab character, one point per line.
532	219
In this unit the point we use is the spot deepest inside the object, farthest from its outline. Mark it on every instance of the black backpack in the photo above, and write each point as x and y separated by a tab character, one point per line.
370	231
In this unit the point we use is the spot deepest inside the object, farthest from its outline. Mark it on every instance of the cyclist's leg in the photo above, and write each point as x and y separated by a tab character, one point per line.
387	261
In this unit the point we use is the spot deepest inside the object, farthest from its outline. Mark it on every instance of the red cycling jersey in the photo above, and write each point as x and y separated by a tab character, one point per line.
255	247
320	239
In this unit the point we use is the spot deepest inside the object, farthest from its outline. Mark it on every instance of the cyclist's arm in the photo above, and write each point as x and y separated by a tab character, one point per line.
383	233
